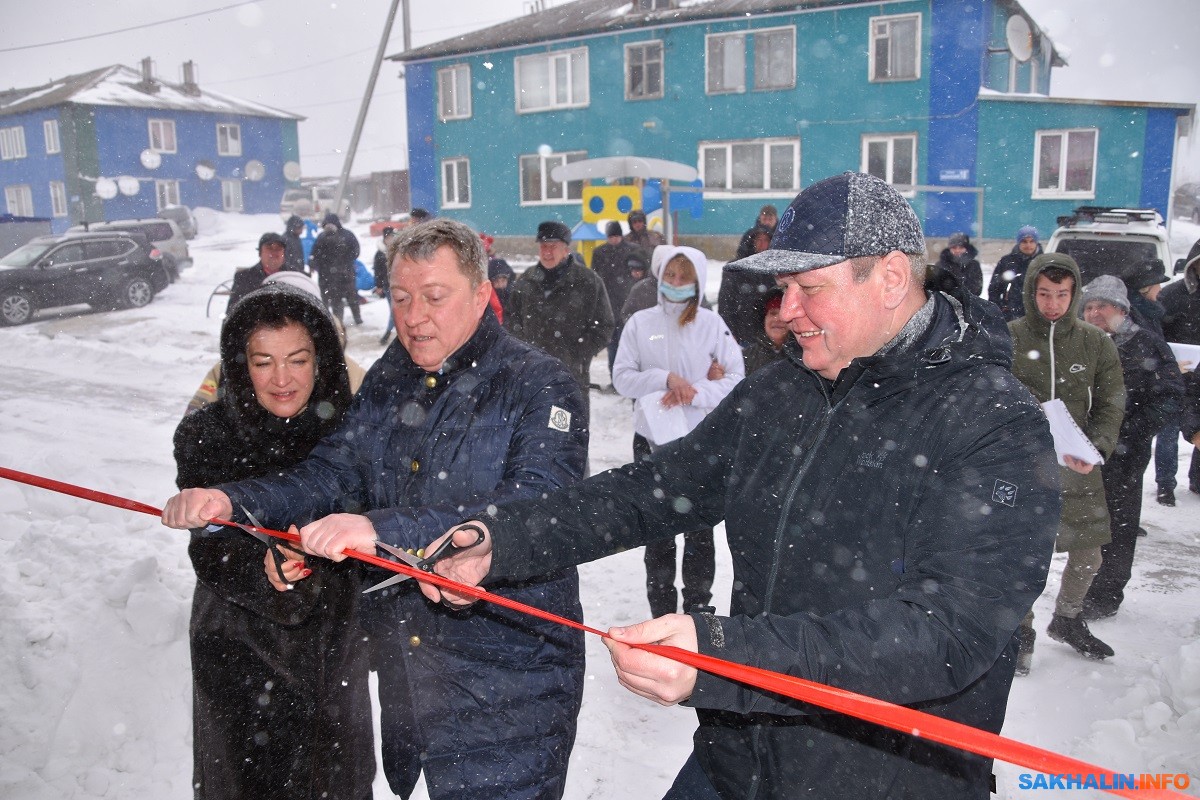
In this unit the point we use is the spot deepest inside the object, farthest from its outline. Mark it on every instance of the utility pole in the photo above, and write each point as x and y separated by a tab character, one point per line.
366	101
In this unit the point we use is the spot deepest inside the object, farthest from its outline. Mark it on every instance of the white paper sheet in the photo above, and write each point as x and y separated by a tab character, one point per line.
1069	440
656	422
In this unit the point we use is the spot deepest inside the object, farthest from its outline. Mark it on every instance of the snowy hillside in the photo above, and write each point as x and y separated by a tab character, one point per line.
94	675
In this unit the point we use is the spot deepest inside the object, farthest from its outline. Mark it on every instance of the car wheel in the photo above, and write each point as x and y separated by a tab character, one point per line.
16	308
135	293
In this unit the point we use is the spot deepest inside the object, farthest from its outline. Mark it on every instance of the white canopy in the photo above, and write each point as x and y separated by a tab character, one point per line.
624	167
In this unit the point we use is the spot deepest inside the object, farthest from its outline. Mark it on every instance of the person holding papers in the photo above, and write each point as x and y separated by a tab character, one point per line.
1061	357
677	361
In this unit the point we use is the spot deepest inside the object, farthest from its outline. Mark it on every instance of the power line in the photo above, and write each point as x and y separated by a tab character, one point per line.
126	30
308	65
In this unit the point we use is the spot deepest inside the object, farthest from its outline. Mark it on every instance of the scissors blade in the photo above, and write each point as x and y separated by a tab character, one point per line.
402	555
262	537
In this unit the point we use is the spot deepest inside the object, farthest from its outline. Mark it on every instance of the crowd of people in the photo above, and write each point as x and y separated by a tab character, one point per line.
890	523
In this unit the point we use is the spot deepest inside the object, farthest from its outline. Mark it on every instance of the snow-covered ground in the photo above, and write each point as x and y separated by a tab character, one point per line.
94	673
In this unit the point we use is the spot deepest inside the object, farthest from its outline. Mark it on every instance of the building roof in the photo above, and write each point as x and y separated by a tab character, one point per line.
590	17
118	85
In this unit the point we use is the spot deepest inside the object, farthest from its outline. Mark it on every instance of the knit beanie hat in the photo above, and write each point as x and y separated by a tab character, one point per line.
958	240
1028	232
1108	288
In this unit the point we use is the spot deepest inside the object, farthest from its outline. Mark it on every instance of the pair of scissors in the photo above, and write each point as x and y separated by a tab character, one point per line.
425	564
271	542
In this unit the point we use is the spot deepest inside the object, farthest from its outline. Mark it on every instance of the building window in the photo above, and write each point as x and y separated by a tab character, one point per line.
895	50
12	142
644	71
763	166
774	60
456	183
552	80
891	157
162	135
50	131
19	199
229	139
454	92
166	193
231	195
58	198
538	187
1065	163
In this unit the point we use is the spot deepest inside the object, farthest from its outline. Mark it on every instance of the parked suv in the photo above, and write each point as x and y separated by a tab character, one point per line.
312	202
1103	240
113	269
1187	201
162	233
183	217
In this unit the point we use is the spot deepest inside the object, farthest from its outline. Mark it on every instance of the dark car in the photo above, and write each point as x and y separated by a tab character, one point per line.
1187	201
105	270
163	234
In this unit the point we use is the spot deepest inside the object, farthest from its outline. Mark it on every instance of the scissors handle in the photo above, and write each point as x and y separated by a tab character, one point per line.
449	548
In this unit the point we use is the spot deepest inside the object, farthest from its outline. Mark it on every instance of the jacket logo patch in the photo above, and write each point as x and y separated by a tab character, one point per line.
1005	493
560	419
1078	368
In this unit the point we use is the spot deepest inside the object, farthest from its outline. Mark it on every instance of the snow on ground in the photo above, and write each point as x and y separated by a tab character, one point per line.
94	673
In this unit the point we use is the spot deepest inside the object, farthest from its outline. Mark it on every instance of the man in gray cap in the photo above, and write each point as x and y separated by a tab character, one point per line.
889	497
560	305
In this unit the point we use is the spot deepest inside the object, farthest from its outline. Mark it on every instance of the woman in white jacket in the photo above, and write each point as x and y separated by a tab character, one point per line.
677	361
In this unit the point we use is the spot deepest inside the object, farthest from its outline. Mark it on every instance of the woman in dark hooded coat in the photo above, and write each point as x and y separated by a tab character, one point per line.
280	702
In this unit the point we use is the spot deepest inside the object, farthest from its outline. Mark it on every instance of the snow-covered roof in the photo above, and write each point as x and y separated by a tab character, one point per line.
118	85
588	17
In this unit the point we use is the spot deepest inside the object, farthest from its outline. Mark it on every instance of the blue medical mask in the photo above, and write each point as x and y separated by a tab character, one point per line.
678	294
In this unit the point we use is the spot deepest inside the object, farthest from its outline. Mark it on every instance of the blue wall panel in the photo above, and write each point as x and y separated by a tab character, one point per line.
1157	155
422	165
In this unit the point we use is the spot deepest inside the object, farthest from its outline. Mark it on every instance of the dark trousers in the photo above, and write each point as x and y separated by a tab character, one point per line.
691	783
401	740
699	563
1166	456
613	341
346	297
1123	476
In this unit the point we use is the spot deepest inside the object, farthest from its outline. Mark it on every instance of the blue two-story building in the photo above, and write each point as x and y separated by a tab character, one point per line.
947	98
119	143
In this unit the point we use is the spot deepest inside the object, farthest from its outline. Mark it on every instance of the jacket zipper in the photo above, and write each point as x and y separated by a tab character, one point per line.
1053	373
756	734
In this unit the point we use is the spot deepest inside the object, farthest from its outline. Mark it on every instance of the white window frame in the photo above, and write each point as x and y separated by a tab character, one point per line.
58	198
891	139
571	61
12	143
727	40
50	133
759	37
765	189
229	145
1060	190
19	199
454	92
160	131
873	35
645	63
454	169
231	195
547	162
166	193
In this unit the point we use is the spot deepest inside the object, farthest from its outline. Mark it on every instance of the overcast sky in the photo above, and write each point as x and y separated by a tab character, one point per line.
313	57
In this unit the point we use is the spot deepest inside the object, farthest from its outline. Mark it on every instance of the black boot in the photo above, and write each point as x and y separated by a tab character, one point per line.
1025	640
1074	631
1166	497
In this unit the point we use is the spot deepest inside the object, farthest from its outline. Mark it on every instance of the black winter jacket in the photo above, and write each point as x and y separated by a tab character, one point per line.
950	272
888	534
1153	383
417	452
332	258
281	708
1007	286
571	320
1181	299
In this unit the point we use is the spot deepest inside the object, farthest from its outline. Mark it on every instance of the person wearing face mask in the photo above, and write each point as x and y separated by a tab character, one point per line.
280	701
678	354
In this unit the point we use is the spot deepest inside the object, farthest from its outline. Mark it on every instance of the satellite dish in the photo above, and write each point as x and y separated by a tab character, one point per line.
205	171
255	171
150	159
291	171
1019	37
128	185
106	188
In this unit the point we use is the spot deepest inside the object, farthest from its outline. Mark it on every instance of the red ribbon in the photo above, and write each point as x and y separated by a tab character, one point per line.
890	715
